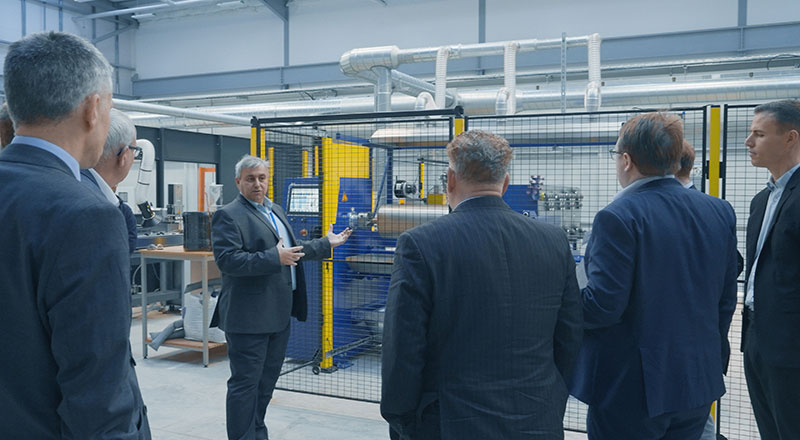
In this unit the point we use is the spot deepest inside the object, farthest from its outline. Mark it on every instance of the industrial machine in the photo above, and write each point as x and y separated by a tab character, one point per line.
347	295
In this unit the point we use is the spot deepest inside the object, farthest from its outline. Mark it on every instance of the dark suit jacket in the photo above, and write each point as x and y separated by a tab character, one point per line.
256	294
67	370
777	284
661	268
130	220
483	318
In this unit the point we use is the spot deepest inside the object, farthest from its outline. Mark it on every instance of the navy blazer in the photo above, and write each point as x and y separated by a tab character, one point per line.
661	267
67	370
130	219
483	317
256	295
777	284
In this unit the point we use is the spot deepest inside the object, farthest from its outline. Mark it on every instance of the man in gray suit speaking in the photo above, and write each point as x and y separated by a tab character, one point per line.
483	319
262	285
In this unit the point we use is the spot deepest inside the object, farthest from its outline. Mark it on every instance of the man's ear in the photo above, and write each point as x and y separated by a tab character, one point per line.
91	110
451	180
505	184
627	161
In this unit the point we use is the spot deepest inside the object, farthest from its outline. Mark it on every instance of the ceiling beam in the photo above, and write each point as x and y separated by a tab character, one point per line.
278	7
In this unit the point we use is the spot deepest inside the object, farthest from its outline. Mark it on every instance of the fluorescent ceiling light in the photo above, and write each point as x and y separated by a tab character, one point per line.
141	16
230	4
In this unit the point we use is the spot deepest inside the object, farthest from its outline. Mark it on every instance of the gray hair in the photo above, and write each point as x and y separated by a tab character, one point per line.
48	74
120	131
479	156
248	161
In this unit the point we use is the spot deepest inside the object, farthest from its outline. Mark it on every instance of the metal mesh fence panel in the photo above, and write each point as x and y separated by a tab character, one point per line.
378	176
381	176
563	160
741	182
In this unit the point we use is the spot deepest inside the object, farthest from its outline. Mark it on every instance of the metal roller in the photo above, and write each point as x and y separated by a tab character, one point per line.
393	220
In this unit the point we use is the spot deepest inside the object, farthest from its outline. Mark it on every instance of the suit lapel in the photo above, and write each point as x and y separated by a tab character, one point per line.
787	193
757	210
253	211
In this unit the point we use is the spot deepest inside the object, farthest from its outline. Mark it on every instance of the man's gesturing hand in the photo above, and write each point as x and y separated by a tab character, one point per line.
338	239
289	256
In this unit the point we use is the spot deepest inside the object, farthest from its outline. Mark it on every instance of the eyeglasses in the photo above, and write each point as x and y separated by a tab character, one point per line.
612	153
137	151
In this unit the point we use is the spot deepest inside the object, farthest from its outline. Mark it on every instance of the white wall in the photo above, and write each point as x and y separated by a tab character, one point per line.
46	18
772	11
323	31
226	41
515	19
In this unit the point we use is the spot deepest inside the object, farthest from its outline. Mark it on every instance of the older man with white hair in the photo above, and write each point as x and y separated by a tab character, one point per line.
119	152
67	365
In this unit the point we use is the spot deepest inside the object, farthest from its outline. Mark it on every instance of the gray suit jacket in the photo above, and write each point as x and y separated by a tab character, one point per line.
65	305
257	292
484	319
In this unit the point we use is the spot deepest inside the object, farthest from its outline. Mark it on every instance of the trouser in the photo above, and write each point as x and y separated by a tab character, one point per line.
255	362
773	391
612	424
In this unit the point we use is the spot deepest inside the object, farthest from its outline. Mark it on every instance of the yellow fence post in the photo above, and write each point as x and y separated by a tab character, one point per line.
714	151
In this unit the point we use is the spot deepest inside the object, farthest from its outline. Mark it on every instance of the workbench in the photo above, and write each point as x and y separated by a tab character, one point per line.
178	253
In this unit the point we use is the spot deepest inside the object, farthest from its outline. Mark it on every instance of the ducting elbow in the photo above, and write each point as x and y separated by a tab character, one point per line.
591	98
145	177
424	101
358	60
501	102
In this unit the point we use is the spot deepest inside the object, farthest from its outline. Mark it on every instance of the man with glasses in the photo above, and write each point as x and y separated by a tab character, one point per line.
661	269
119	152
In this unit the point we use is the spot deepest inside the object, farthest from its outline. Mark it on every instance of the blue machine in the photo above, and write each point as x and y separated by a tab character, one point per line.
302	196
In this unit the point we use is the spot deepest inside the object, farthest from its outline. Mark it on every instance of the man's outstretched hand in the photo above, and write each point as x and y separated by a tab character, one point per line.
338	239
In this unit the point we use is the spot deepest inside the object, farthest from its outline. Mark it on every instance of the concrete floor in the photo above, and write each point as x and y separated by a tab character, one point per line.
187	401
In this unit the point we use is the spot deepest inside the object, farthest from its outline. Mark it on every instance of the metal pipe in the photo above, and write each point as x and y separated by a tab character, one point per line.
393	220
483	102
146	9
180	112
383	89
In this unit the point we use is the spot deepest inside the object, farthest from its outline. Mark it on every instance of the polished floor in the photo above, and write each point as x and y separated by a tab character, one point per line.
187	401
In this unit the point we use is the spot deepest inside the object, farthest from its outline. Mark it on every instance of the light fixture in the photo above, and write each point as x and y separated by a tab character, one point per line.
230	4
141	16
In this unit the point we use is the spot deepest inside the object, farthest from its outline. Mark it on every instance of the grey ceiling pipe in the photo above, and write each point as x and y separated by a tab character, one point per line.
134	106
483	102
356	61
171	6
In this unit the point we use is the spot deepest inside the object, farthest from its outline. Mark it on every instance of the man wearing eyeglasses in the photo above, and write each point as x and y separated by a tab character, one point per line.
119	152
661	269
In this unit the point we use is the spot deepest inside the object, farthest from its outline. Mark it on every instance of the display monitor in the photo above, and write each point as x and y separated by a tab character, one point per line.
304	199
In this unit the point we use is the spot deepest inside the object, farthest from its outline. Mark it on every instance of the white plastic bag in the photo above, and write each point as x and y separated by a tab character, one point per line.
193	318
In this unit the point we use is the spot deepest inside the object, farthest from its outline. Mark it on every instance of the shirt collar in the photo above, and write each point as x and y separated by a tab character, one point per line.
52	148
639	182
783	180
108	193
267	203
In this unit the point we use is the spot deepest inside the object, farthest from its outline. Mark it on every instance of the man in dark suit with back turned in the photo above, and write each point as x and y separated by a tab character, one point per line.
661	269
67	370
483	320
771	325
119	152
262	286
